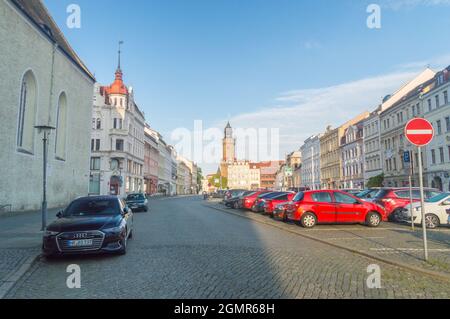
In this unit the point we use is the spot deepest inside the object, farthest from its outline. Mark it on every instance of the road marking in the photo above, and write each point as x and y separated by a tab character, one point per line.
355	238
409	249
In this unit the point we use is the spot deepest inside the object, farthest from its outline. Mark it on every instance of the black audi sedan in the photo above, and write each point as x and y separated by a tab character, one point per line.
98	224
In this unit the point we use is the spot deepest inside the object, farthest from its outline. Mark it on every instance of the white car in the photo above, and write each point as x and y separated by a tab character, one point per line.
437	211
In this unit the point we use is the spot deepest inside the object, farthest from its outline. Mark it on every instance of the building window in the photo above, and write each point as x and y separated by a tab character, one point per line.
445	97
99	124
433	157
437	101
429	105
441	154
418	108
119	145
439	127
61	127
27	113
447	123
95	163
117	124
95	144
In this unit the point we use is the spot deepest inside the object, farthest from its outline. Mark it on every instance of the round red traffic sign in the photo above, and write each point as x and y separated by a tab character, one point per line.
419	132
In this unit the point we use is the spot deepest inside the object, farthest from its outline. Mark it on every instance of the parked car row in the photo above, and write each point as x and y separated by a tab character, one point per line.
369	207
310	208
94	224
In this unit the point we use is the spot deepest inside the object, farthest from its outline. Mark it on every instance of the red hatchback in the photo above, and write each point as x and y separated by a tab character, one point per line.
395	199
332	207
249	201
271	203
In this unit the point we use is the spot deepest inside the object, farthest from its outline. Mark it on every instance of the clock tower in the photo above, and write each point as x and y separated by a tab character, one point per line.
229	145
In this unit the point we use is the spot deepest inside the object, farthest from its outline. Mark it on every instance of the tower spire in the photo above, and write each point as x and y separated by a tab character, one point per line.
120	44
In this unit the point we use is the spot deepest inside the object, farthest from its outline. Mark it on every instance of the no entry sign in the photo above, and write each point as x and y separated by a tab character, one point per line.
419	132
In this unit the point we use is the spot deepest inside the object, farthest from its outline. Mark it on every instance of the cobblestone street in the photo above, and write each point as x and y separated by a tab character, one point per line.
182	248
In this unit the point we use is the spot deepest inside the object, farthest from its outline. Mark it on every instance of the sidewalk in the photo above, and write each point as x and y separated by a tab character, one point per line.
20	244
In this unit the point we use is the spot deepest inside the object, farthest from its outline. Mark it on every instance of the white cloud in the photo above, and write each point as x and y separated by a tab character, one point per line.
303	113
437	63
309	45
409	4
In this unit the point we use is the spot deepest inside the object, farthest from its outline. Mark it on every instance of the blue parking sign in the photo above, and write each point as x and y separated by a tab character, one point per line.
406	157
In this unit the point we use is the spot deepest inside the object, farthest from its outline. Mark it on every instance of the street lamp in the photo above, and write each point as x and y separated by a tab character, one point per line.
46	130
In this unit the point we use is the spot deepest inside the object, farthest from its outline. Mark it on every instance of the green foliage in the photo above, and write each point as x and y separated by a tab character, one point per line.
376	181
215	178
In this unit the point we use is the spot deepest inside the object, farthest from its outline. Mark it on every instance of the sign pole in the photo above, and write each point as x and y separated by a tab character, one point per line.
411	172
422	203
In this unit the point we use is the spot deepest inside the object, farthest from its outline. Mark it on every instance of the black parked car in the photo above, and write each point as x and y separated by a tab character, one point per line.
234	202
137	201
90	225
258	207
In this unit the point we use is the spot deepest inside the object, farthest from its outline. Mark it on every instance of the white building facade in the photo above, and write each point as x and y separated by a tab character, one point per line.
117	142
438	151
352	157
243	175
372	151
310	169
43	83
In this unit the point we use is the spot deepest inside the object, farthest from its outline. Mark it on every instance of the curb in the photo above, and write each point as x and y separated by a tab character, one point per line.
15	275
422	271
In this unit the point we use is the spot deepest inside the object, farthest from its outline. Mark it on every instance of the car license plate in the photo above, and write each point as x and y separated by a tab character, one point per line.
80	243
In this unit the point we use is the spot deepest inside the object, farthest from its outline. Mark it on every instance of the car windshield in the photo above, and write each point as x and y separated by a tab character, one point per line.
368	193
136	197
437	198
92	207
381	193
299	197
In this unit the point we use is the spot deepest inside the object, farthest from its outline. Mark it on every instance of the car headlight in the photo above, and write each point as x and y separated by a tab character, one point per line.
117	229
49	233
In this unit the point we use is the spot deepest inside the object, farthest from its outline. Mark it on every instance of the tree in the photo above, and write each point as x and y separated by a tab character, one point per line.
215	181
199	176
376	181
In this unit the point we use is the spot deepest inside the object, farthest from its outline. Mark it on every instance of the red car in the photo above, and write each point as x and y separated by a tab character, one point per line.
271	203
332	207
395	199
249	201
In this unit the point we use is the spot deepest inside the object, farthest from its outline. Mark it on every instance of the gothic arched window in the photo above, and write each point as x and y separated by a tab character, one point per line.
27	113
61	127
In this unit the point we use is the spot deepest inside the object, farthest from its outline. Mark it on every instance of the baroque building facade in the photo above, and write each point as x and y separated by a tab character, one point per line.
117	141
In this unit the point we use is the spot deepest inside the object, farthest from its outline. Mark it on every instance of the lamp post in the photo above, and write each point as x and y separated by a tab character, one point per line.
46	130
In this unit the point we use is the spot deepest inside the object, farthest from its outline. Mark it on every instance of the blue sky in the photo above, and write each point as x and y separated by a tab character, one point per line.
233	59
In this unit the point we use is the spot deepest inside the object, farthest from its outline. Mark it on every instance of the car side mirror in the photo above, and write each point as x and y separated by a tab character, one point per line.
446	203
59	214
126	211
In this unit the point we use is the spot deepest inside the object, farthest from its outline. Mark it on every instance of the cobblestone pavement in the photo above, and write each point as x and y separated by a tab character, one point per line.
391	241
183	249
20	239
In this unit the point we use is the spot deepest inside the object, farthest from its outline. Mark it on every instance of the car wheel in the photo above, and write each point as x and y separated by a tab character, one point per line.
393	217
373	219
431	221
308	220
235	205
146	209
